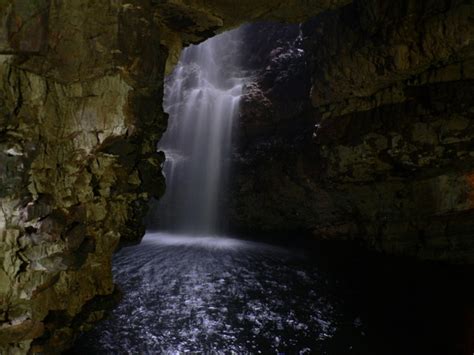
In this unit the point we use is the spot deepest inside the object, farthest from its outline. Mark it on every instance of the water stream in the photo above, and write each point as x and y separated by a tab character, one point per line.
202	98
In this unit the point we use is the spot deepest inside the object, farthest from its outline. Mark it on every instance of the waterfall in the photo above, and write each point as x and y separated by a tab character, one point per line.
202	98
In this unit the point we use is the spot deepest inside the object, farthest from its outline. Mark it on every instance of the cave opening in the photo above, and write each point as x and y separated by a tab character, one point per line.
199	283
348	198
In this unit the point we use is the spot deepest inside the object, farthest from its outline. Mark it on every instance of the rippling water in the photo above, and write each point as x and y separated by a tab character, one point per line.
214	294
223	295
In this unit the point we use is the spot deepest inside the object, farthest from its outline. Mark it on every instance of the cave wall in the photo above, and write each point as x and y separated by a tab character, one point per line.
80	115
79	122
390	156
384	151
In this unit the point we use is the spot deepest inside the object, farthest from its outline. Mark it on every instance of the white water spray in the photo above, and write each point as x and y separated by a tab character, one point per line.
202	98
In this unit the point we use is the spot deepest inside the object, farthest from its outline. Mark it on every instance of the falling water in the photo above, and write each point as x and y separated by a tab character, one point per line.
202	98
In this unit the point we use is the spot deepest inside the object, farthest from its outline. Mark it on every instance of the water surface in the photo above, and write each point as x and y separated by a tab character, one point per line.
224	295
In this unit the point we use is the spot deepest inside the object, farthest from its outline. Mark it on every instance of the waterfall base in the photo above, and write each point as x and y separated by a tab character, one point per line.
208	294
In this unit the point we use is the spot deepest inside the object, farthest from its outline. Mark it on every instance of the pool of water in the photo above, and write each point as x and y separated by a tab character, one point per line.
202	294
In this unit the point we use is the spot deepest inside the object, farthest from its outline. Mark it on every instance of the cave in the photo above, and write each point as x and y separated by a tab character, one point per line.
332	213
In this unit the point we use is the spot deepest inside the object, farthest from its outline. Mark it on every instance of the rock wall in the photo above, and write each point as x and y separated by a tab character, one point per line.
80	114
390	158
79	122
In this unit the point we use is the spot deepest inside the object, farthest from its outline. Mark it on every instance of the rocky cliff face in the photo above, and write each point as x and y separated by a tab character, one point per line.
390	157
79	121
80	115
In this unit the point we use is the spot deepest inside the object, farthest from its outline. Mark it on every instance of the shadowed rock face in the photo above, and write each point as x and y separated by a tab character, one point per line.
23	26
80	115
390	157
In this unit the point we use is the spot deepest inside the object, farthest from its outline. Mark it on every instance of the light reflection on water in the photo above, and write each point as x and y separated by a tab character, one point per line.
209	242
214	294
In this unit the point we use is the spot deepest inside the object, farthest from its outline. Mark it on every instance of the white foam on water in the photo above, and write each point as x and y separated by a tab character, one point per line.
207	242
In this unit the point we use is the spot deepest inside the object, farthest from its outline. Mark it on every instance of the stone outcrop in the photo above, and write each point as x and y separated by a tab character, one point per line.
80	114
390	159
